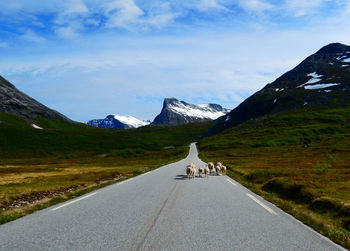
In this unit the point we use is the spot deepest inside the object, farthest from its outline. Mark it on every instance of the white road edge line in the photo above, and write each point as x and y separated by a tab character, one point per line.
261	204
231	182
84	197
142	174
124	181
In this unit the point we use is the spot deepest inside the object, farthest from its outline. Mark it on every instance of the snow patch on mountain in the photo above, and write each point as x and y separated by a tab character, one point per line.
36	127
202	111
314	79
320	86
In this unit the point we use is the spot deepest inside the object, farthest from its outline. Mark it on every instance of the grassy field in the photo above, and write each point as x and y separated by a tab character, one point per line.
39	168
300	161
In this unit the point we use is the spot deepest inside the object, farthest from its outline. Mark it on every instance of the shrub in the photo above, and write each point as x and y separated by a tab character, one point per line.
261	176
346	224
325	205
289	190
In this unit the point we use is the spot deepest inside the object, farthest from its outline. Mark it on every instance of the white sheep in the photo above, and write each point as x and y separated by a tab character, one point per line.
194	170
206	171
211	166
191	171
223	170
200	171
218	168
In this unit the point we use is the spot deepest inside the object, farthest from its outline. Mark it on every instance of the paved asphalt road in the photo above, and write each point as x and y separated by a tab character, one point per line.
163	210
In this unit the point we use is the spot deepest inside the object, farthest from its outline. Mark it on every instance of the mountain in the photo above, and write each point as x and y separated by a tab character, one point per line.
13	101
118	122
322	80
175	112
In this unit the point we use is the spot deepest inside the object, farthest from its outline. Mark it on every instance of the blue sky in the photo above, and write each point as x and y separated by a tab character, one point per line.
90	58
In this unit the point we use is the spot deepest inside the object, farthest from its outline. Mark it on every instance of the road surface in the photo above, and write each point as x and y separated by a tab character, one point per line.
163	210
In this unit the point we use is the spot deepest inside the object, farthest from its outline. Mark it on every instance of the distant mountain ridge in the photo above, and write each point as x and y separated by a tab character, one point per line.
15	102
321	80
175	112
118	122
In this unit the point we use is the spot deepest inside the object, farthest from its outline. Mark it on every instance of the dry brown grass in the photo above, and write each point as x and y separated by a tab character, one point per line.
26	188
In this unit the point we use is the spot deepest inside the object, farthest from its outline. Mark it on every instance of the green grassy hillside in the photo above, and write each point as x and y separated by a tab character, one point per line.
60	140
299	160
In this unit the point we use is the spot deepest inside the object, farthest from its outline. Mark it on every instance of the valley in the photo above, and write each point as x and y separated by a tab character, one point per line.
289	142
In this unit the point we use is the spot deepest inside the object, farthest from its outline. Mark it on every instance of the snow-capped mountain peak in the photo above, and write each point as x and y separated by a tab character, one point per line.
177	112
131	121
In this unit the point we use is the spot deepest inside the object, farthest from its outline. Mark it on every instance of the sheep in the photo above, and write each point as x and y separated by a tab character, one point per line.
200	171
191	171
218	168
211	166
223	170
206	171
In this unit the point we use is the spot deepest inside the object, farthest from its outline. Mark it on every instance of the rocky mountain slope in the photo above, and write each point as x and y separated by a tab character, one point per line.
321	80
15	102
175	112
118	122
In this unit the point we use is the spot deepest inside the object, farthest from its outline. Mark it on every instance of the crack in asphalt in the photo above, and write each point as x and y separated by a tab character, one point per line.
157	217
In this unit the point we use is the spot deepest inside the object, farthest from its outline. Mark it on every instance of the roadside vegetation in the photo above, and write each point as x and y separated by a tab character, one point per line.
39	168
300	161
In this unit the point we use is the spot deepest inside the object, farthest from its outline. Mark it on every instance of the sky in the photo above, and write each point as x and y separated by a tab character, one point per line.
90	58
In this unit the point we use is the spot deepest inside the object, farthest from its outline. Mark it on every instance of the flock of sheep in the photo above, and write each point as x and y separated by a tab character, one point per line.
220	169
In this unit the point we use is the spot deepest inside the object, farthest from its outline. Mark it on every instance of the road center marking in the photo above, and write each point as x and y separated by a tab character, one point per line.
231	182
84	197
261	204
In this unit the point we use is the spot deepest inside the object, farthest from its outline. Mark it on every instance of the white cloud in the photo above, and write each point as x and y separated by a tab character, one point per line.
122	13
161	20
76	6
302	8
205	5
31	36
256	6
72	19
66	32
28	6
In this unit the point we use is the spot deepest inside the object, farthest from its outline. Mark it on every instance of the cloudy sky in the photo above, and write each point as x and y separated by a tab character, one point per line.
90	58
